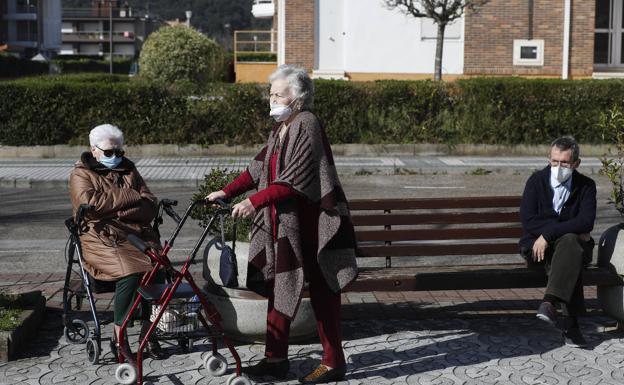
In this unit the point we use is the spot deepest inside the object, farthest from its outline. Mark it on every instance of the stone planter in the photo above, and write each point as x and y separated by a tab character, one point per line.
243	311
30	318
611	256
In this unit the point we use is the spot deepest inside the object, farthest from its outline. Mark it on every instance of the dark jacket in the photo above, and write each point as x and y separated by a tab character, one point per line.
539	218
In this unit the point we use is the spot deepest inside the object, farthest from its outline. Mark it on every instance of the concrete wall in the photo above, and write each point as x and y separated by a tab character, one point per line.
51	21
363	37
379	40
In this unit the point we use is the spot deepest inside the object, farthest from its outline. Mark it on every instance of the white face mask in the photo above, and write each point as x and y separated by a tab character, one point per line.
560	174
281	112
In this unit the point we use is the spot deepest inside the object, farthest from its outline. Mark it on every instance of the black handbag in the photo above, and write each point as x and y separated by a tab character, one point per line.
228	269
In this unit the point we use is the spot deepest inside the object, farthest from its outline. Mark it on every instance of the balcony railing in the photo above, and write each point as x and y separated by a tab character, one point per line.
255	46
98	36
96	13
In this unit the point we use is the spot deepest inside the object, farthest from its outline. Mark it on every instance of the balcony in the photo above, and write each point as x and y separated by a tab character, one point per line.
263	8
22	12
97	36
96	13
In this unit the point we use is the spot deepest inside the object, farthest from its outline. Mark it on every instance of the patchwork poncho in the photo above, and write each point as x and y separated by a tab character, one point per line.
305	163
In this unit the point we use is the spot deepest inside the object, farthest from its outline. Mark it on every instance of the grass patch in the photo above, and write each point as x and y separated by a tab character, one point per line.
480	171
363	172
404	171
9	318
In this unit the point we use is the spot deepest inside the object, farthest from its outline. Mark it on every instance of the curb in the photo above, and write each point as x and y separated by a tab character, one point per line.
362	150
12	341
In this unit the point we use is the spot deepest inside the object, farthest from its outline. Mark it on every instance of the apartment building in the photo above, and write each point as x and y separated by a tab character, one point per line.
87	31
29	27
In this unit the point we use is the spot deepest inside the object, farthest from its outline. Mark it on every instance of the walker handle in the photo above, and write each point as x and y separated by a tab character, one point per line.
137	242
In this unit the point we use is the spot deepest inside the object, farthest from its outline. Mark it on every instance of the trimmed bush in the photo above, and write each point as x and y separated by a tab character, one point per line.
12	67
181	54
80	65
256	57
61	109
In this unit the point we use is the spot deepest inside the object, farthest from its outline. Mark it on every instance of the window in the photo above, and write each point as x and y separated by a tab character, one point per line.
528	52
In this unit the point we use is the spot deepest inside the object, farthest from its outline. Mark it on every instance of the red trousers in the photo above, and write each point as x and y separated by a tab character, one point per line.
326	306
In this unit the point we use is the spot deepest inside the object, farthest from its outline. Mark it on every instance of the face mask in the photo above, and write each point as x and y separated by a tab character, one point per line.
280	112
110	162
561	174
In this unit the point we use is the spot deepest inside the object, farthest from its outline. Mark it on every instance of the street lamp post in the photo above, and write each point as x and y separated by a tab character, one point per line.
188	18
110	36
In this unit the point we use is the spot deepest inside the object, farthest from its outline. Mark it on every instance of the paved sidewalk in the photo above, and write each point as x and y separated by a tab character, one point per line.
26	172
445	337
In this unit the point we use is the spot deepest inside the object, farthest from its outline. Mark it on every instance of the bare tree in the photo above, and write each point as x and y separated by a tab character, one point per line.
442	12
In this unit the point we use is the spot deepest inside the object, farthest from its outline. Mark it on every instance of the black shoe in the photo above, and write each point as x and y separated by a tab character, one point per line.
574	338
322	375
547	313
154	350
277	369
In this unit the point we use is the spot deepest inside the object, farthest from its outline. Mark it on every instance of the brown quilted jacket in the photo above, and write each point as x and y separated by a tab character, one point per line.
123	205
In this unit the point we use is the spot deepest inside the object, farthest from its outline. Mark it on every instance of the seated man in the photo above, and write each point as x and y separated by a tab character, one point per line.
558	211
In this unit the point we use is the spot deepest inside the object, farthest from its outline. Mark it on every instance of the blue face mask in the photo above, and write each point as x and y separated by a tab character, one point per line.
110	162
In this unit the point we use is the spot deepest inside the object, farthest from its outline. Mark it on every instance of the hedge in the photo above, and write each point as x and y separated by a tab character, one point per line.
68	65
12	67
58	110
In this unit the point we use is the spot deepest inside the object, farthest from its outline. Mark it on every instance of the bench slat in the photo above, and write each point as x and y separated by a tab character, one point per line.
438	218
434	203
365	251
466	278
438	234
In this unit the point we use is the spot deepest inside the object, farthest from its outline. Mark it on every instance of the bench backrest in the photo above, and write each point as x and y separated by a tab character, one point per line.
464	226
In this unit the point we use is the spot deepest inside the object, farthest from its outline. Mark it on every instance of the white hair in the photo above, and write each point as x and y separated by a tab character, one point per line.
106	132
300	85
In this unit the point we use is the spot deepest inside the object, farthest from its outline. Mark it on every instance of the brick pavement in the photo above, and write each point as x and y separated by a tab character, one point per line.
444	337
419	304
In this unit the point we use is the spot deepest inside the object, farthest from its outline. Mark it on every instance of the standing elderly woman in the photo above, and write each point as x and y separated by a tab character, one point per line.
123	205
302	228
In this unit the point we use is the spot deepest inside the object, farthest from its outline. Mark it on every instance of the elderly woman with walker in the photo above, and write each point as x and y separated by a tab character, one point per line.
302	229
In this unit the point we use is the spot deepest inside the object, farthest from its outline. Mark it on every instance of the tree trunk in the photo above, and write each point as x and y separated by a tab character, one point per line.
437	73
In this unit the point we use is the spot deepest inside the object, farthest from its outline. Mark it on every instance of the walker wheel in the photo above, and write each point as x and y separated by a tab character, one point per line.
238	380
77	332
93	351
216	364
126	374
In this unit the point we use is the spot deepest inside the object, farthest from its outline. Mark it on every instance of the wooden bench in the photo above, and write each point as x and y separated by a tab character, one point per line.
446	244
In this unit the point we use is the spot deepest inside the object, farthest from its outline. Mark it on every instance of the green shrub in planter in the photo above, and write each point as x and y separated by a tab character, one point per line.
612	123
216	180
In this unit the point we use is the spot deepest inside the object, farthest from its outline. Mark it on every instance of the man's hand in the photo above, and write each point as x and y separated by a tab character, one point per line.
539	249
243	209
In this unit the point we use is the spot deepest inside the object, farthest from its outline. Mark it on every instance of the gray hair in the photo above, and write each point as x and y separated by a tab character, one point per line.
566	143
300	84
106	132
